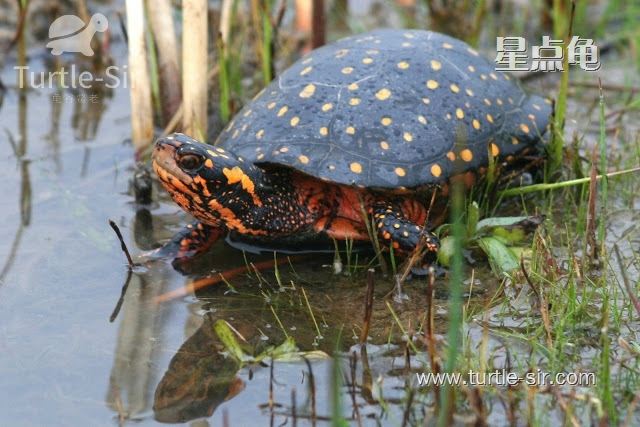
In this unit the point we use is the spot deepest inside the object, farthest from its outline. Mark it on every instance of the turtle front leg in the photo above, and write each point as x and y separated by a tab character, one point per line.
190	242
397	231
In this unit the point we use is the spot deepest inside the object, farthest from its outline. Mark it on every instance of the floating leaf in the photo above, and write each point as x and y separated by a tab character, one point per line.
447	248
502	259
227	335
511	230
473	215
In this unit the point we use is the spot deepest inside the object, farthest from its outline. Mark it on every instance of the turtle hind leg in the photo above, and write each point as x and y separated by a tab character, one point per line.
395	230
188	243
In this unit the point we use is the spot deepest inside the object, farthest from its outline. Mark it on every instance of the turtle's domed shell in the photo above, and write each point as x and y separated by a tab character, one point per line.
65	25
388	109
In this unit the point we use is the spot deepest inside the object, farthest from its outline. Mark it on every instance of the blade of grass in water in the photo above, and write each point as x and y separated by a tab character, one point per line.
454	332
603	168
557	185
557	140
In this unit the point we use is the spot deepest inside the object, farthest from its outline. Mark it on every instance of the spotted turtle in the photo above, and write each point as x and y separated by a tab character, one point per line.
368	127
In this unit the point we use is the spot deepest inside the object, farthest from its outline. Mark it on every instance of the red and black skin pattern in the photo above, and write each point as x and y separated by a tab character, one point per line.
225	193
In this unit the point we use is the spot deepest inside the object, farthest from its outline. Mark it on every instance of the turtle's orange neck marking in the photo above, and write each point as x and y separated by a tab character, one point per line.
232	221
236	175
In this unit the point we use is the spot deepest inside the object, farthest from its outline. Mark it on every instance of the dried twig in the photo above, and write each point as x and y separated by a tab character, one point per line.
368	307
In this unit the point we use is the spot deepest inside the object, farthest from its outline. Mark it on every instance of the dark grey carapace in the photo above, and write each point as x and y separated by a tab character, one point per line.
388	109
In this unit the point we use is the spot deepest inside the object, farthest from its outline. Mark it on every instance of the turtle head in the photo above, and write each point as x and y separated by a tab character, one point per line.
204	180
99	22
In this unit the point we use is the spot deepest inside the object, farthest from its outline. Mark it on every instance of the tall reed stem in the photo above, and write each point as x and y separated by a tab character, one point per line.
141	109
194	68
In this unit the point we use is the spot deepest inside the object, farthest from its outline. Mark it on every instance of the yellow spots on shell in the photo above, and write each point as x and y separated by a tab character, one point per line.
436	170
506	77
407	136
487	102
524	128
373	52
454	88
409	35
235	134
531	117
247	113
332	167
447	45
353	86
355	167
476	124
536	106
354	101
260	134
499	101
284	149
384	145
341	53
400	172
324	131
347	70
459	113
212	153
493	76
406	44
208	163
422	119
350	130
383	94
303	159
367	60
547	101
435	65
386	121
469	92
494	149
403	65
283	111
489	118
510	100
327	107
307	60
466	155
451	156
308	91
483	76
260	156
396	225
448	116
472	51
294	121
271	105
515	140
426	101
432	84
471	68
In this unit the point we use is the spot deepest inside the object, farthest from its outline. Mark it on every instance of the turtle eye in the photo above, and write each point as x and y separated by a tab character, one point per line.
190	162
